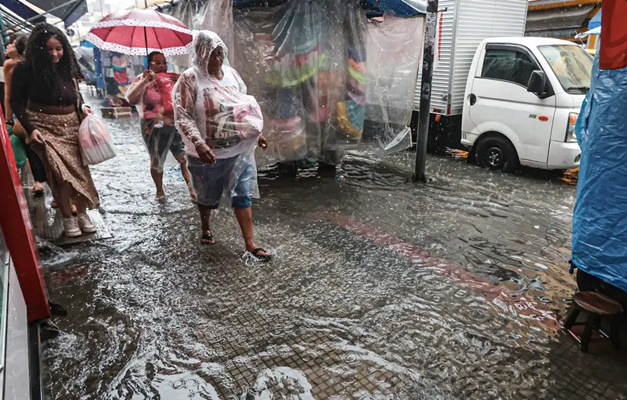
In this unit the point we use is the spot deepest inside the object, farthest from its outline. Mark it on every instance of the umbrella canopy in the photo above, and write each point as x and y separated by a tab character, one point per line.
140	32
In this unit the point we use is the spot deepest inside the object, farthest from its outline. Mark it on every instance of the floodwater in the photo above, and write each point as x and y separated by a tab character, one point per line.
380	288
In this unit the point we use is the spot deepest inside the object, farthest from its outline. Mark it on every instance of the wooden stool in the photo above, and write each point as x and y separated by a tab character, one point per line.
597	307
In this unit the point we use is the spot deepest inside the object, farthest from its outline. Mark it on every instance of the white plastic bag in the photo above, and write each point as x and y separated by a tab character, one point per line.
95	141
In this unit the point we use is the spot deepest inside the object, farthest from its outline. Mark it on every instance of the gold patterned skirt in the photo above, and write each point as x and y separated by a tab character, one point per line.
61	155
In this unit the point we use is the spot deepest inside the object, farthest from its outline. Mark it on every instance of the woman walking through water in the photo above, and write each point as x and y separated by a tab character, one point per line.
46	100
221	126
153	92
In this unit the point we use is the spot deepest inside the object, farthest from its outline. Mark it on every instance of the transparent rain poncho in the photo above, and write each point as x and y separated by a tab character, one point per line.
153	98
220	114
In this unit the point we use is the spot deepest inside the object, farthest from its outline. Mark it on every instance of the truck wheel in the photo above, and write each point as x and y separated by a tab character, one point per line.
497	153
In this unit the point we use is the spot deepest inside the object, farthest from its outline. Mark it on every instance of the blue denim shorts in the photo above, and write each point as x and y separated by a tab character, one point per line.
210	181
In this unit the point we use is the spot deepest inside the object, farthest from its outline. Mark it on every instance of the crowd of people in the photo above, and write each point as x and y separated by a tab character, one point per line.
203	117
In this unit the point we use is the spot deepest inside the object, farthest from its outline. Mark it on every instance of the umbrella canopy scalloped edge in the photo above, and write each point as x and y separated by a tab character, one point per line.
112	23
136	51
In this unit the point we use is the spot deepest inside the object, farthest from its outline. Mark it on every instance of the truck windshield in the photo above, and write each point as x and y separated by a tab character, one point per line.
571	64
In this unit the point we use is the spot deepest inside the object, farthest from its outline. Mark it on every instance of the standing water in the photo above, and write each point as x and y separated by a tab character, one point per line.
380	289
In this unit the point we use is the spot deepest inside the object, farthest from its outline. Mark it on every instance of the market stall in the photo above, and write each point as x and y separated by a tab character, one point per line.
321	70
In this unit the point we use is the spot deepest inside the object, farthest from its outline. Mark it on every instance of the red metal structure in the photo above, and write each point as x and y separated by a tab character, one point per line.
614	42
15	224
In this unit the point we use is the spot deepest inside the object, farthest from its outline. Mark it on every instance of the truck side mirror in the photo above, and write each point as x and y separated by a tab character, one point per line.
537	84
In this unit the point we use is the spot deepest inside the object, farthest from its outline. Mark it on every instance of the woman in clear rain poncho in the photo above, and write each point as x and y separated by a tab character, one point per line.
221	127
152	91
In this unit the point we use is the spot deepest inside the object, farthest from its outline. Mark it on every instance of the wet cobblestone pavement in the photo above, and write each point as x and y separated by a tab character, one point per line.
380	289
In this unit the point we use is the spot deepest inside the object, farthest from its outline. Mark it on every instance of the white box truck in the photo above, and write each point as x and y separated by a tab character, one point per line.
462	26
469	109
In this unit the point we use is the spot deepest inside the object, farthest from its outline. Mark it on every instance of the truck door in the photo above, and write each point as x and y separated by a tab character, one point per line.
499	101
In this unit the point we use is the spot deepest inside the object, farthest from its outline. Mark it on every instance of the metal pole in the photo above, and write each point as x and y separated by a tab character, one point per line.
428	56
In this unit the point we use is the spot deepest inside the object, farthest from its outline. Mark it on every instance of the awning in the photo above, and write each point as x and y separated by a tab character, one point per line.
69	11
558	22
400	8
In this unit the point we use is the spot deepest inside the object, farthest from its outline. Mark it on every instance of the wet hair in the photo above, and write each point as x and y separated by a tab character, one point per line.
40	61
152	55
20	41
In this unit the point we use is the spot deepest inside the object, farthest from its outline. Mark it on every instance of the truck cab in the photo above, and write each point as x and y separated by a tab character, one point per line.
522	100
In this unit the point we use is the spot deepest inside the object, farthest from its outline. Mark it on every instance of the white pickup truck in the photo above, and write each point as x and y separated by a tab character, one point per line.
522	101
512	100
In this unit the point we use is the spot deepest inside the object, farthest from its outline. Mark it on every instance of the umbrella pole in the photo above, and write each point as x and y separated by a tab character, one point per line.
146	39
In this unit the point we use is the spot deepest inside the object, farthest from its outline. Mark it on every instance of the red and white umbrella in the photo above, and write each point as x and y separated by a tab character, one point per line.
140	32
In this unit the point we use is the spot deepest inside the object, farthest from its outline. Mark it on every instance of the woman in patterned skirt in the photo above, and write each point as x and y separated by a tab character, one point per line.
46	100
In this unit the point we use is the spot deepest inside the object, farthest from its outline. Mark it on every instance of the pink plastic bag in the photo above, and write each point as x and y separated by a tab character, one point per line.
96	143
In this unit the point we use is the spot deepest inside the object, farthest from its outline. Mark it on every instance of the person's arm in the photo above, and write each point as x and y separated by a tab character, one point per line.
8	72
135	92
184	97
19	96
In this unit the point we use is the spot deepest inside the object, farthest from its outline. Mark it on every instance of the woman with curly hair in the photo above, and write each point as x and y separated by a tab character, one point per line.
46	100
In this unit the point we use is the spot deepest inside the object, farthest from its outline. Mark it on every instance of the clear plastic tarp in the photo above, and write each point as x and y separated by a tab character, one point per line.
326	78
600	216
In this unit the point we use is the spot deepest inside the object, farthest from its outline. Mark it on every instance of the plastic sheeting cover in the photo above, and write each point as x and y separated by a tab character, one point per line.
391	76
600	216
324	79
322	74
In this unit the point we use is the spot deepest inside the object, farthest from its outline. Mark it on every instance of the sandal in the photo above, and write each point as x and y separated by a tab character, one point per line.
260	258
38	189
207	239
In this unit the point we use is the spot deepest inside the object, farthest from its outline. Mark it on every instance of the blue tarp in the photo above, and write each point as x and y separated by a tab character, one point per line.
595	22
600	217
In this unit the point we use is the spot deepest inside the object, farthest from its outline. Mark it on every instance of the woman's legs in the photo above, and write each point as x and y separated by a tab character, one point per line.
157	177
63	198
186	175
242	206
36	167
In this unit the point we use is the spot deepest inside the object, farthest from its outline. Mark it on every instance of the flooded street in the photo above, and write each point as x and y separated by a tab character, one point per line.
380	289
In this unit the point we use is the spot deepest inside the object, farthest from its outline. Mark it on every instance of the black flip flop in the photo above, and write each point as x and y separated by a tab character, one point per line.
209	237
255	255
